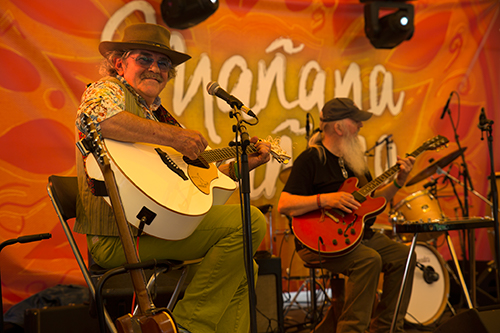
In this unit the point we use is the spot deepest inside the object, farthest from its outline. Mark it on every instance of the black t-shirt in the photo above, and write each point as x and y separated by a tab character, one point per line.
310	176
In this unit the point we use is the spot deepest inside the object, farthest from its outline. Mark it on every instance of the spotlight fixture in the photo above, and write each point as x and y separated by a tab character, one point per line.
183	14
388	31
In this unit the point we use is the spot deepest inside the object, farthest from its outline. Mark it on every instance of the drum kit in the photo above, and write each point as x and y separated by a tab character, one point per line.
431	281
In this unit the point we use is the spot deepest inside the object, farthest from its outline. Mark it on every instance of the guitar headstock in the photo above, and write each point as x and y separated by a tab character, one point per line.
436	143
92	142
276	151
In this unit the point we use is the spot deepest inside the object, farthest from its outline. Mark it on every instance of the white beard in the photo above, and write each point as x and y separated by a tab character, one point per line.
354	154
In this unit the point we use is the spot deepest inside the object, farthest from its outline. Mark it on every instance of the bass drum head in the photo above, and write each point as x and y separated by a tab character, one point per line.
428	300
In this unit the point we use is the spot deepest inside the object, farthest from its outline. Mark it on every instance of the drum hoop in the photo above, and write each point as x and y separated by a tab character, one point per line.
413	196
441	261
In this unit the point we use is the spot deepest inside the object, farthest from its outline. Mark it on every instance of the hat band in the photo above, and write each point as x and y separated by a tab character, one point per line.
148	42
328	119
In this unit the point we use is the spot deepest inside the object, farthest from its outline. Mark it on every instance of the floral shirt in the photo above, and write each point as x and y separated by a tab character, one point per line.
104	99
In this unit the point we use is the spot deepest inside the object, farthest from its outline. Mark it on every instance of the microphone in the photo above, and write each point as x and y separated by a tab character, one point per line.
447	105
431	183
483	121
378	143
214	89
387	139
430	275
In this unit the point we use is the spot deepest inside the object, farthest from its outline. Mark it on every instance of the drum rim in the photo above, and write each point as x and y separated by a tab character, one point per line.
414	195
446	293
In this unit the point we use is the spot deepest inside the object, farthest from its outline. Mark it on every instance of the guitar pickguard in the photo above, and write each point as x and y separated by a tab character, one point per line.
202	178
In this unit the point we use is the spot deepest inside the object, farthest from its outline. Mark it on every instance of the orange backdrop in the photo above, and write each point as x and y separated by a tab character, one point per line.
281	58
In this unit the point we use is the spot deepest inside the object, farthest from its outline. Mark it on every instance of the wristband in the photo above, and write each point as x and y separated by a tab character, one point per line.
396	184
236	171
318	200
231	171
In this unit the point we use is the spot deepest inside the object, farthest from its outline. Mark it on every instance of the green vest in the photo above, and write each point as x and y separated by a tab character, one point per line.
94	215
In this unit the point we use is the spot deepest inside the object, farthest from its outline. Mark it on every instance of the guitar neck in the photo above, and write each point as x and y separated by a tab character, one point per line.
137	275
221	154
374	184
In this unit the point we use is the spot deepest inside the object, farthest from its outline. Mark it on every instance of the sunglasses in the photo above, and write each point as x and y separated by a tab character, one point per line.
163	64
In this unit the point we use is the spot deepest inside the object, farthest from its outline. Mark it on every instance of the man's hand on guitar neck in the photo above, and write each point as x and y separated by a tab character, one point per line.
262	155
405	167
389	190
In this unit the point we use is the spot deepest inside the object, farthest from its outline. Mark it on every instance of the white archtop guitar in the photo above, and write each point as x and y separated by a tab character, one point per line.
173	191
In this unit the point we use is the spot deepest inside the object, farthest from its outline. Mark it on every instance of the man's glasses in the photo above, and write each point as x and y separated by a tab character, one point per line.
146	62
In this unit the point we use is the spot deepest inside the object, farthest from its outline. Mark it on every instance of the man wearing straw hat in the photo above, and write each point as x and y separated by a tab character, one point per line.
126	107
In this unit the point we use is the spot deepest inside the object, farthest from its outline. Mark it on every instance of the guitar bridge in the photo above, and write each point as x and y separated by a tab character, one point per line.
171	164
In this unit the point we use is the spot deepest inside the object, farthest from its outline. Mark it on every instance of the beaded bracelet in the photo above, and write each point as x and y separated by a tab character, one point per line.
396	184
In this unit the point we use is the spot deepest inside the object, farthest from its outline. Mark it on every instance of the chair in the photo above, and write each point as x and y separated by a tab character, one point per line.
314	315
311	283
63	192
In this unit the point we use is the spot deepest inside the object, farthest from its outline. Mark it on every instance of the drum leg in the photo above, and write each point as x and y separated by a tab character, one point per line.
459	271
452	309
403	283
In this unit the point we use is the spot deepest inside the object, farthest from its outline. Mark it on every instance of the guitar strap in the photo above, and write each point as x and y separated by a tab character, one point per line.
363	180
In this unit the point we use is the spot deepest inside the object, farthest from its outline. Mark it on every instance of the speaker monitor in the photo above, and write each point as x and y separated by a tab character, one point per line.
472	321
269	307
63	319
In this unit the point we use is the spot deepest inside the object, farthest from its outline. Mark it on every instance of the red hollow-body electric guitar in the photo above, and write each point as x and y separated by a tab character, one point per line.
331	231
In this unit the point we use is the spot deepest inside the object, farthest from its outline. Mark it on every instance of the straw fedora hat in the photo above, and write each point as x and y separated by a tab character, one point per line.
145	36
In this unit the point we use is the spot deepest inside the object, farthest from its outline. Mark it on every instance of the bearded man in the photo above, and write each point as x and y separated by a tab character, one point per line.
335	154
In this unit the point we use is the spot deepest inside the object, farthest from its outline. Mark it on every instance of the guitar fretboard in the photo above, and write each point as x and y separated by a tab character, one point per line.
221	154
374	184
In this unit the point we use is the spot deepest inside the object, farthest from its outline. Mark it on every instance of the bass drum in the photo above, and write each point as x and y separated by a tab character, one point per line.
429	296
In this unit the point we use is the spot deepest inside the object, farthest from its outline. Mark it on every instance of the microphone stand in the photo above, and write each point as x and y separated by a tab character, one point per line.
485	125
388	141
465	213
22	239
240	129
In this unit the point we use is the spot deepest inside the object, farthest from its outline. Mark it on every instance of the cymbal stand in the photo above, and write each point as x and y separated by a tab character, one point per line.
452	183
465	213
456	181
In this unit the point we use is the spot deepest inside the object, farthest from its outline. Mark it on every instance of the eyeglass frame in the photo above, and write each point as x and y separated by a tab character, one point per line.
149	61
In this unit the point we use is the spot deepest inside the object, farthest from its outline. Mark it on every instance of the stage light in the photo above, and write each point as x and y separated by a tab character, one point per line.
388	31
182	14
